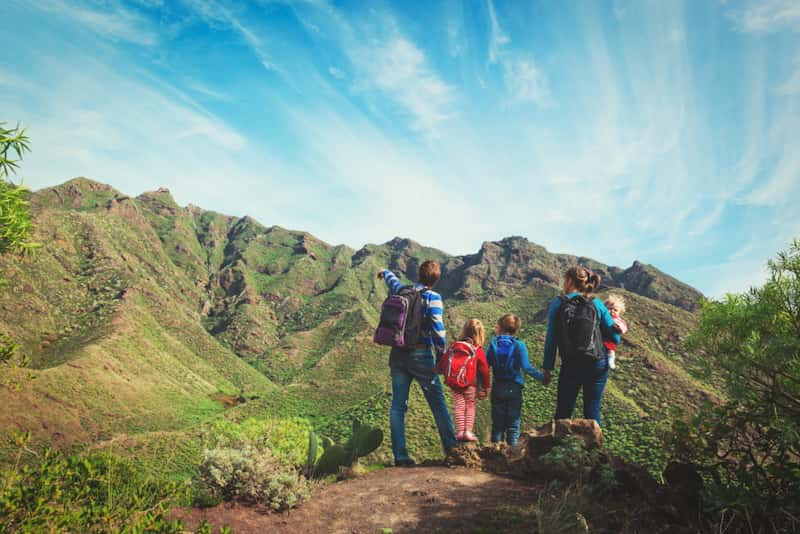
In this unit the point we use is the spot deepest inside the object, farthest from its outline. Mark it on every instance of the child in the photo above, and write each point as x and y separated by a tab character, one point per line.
507	355
466	371
616	306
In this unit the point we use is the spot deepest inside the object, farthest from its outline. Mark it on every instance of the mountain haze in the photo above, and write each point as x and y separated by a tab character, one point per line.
143	319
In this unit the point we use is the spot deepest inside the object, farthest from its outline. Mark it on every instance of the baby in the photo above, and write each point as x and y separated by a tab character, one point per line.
616	306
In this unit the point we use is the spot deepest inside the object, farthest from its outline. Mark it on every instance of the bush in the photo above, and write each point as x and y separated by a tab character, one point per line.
287	439
748	445
253	476
94	493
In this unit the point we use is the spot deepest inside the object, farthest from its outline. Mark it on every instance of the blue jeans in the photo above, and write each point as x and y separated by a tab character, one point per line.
506	411
571	379
407	366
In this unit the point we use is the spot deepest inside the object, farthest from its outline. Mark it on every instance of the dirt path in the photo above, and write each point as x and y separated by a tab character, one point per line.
423	499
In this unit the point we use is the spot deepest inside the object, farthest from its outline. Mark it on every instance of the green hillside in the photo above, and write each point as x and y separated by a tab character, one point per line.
143	320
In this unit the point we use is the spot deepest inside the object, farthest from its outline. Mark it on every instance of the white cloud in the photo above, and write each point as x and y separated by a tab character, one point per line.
497	38
525	81
115	22
791	86
399	68
765	16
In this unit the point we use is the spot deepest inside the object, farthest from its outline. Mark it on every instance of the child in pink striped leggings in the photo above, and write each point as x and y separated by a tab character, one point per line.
464	398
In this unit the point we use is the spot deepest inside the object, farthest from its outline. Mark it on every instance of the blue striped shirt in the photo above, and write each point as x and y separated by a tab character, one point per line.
432	308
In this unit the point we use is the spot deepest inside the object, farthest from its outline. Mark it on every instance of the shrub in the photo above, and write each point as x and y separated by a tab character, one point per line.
749	445
94	493
254	476
287	439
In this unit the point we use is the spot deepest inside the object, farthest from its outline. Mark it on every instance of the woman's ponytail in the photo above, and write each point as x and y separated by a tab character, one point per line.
583	279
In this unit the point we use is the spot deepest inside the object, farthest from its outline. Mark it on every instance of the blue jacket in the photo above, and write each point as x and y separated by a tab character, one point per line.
551	343
524	364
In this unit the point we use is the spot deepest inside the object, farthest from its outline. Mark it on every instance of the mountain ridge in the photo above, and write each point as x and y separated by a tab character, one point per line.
142	288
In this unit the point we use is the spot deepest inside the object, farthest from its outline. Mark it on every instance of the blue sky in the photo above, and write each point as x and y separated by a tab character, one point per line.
666	131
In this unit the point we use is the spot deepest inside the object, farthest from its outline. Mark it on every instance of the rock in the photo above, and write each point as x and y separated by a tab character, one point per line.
586	429
547	452
686	485
465	454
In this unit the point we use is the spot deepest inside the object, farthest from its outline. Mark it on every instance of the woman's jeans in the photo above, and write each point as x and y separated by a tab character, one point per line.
571	378
416	365
506	411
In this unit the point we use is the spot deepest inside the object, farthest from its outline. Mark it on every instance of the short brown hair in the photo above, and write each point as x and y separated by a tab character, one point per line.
429	272
584	279
509	324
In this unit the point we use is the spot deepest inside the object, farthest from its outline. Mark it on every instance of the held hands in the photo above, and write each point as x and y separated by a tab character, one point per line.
482	393
380	274
547	377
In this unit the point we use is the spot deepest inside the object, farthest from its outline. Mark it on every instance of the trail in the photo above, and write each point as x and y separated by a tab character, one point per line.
419	499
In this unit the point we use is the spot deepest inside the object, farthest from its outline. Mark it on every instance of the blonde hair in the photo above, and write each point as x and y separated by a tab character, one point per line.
473	329
509	324
615	302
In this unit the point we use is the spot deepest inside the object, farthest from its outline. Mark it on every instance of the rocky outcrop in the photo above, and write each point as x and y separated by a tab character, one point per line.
571	451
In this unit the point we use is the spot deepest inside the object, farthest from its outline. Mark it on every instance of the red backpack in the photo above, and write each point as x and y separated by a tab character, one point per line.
460	365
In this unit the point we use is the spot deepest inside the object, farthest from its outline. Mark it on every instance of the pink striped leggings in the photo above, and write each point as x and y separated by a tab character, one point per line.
465	409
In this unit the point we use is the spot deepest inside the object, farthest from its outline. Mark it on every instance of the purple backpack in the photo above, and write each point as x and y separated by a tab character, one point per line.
401	319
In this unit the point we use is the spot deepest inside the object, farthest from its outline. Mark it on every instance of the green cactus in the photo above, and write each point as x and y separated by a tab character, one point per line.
311	460
333	457
363	441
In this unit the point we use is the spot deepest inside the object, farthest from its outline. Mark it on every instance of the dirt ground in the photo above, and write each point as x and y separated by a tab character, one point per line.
419	499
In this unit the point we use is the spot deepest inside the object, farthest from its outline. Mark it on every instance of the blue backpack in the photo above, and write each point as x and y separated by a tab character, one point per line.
505	364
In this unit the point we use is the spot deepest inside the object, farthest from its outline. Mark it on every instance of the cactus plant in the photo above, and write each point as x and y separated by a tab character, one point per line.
363	440
311	459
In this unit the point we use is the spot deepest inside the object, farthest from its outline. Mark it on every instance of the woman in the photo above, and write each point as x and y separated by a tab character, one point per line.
575	329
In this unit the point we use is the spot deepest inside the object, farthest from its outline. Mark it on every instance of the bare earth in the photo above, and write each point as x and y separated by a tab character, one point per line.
415	499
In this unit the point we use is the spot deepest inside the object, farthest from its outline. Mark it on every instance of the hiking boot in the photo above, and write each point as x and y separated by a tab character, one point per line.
469	436
408	462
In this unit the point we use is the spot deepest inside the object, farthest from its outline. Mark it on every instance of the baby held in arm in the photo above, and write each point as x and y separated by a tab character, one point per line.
616	306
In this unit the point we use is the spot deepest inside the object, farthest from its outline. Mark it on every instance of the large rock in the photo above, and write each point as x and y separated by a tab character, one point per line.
565	449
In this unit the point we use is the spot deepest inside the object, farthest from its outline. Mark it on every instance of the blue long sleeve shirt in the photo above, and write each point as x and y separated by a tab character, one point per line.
550	341
521	351
432	310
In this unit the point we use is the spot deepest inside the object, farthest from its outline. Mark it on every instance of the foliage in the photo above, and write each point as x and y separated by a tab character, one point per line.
15	217
285	438
8	348
12	141
93	493
254	476
749	445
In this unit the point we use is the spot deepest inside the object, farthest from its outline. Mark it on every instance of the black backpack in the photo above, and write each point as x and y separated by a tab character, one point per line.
401	319
580	340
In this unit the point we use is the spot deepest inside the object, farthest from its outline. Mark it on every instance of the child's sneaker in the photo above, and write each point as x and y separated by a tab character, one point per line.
612	360
469	436
460	437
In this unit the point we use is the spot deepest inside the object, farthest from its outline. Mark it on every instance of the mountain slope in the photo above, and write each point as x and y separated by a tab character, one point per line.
138	306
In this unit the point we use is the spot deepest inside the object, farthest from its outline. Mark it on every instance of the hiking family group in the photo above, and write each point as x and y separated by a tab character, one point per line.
583	330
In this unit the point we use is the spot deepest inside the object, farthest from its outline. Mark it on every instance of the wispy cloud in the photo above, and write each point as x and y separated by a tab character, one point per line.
764	16
523	78
399	68
114	22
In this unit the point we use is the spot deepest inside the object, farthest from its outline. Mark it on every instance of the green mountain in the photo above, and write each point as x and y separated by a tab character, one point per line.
143	319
